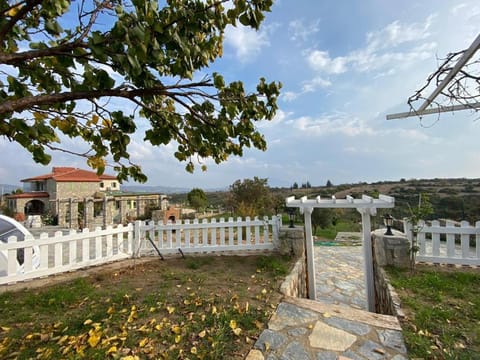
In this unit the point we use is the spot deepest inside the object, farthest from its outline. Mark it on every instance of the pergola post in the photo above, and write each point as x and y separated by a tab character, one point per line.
307	213
368	256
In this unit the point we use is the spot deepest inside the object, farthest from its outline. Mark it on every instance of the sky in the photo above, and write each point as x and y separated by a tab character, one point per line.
344	66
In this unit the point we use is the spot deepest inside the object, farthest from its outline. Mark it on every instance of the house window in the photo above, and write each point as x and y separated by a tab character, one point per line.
114	185
101	185
38	186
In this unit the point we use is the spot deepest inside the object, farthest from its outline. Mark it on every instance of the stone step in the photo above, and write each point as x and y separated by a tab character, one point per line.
306	329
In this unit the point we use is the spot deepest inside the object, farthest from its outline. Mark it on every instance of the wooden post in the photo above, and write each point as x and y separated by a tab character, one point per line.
368	257
310	253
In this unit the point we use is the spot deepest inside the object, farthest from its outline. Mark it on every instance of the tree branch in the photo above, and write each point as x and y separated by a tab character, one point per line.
30	4
19	105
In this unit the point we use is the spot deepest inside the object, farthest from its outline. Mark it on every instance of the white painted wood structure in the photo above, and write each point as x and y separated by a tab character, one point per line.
447	242
209	236
424	110
75	250
366	206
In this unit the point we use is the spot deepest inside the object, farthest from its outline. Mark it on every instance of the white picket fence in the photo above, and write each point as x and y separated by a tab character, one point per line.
60	253
447	243
207	237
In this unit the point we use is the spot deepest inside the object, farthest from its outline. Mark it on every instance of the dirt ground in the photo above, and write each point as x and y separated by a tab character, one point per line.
202	294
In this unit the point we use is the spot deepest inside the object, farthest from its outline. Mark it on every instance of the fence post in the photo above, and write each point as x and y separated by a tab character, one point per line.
137	238
275	230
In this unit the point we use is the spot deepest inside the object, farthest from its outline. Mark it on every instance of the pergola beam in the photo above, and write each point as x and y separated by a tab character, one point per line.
422	110
440	109
458	66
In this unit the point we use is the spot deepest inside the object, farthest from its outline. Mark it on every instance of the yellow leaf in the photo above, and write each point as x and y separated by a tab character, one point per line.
113	349
193	350
87	322
202	334
5	329
159	327
153	309
143	342
246	307
186	302
94	339
13	11
327	315
233	324
178	338
264	291
110	310
170	309
214	309
267	345
237	331
176	329
62	339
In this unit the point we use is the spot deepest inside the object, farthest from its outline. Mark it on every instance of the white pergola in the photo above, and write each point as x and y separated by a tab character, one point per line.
366	206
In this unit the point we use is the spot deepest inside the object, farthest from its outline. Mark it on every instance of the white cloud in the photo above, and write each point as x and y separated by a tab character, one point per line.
315	83
307	87
330	124
299	31
279	118
321	61
247	42
384	48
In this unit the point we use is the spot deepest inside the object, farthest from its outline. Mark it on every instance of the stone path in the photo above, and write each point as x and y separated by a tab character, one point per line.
336	326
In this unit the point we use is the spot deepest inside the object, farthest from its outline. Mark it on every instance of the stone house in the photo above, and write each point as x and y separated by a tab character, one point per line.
81	198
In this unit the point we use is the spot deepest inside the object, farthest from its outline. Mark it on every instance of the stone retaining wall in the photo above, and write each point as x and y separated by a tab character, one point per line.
291	242
295	284
388	250
387	301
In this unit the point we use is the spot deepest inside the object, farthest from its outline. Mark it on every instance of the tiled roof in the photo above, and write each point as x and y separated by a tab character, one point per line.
29	195
70	174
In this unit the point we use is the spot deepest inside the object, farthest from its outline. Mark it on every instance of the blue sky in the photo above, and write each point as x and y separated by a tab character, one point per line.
344	65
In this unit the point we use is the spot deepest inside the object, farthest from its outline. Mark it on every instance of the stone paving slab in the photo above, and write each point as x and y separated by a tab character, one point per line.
336	325
340	275
303	329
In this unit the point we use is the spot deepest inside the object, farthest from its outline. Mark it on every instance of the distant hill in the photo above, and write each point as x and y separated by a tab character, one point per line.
8	188
154	189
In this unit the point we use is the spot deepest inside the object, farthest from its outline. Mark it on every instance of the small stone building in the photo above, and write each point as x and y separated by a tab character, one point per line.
79	198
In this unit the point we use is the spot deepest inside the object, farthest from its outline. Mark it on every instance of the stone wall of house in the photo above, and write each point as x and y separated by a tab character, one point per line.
388	251
77	190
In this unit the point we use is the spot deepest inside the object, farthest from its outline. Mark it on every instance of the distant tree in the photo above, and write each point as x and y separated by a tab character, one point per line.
251	197
295	185
322	218
329	183
278	203
197	199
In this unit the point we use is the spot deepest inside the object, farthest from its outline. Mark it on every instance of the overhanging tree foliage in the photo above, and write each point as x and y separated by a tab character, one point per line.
63	63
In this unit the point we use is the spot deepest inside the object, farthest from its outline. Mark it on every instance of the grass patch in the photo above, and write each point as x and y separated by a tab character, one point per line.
211	307
442	306
331	231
